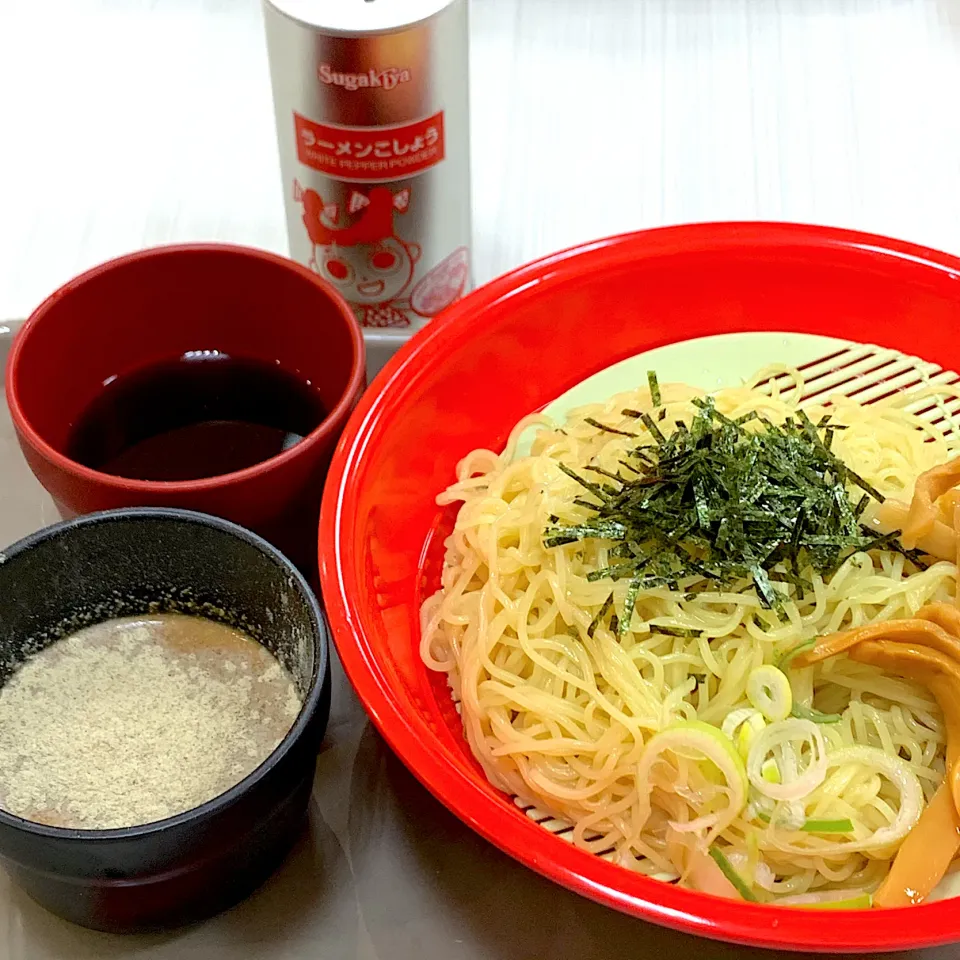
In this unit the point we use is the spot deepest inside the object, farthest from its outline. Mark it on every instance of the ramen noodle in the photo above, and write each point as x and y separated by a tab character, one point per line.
661	715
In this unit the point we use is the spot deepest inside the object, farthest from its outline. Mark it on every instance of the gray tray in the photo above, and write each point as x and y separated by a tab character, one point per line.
382	871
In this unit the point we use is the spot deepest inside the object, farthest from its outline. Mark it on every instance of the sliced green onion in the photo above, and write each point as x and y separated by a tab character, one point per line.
768	690
770	771
904	781
784	662
777	736
701	738
828	900
828	826
808	713
862	902
748	731
742	726
734	719
727	869
817	826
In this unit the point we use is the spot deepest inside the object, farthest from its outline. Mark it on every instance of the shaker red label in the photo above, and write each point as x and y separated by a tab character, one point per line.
370	153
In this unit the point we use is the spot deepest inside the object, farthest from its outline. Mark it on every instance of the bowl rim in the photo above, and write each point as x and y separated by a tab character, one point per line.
410	737
311	702
324	430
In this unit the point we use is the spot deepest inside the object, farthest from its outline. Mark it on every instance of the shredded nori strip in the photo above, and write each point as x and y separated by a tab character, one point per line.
606	429
629	602
647	421
592	487
604	473
601	613
745	504
655	397
675	631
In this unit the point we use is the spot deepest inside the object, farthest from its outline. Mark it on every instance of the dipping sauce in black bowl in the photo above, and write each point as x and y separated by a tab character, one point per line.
146	561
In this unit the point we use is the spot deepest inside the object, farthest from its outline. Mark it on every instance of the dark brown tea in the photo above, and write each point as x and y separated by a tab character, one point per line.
200	415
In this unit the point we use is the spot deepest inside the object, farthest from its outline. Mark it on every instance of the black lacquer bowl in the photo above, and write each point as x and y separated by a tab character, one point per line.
140	560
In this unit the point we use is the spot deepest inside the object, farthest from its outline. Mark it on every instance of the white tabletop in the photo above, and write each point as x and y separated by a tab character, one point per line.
126	123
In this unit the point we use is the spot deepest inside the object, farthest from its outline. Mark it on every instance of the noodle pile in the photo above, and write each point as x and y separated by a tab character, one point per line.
655	740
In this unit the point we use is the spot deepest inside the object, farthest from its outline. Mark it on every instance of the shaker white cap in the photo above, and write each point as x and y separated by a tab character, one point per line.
360	17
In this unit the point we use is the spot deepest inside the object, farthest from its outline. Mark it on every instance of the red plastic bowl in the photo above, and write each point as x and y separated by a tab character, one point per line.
153	305
509	348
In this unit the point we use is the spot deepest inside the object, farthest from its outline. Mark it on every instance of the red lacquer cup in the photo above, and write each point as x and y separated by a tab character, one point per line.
156	305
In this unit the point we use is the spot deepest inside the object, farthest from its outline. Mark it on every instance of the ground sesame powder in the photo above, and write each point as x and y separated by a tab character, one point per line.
137	719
